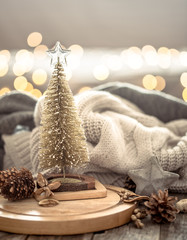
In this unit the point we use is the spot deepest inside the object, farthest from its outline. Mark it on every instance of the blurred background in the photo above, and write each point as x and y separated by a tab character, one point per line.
139	42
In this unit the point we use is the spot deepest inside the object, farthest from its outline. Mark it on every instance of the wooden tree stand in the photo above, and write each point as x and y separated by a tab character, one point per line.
67	218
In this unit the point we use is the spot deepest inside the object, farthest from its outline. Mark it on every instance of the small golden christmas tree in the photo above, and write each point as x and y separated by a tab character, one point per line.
62	139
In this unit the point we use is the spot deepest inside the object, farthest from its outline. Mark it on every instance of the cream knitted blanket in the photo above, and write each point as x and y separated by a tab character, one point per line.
121	138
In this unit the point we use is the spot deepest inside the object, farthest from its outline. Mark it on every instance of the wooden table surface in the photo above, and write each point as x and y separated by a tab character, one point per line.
173	231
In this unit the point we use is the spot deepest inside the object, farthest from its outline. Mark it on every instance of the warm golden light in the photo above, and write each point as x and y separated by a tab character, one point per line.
29	87
184	94
40	51
150	55
18	69
3	70
164	57
5	53
20	83
76	50
83	89
114	62
132	57
183	58
36	92
149	82
183	79
174	52
68	74
34	39
73	61
101	72
25	60
161	83
4	90
39	76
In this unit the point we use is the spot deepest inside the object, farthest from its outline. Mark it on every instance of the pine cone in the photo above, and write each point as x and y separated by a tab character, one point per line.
7	175
19	184
162	207
129	184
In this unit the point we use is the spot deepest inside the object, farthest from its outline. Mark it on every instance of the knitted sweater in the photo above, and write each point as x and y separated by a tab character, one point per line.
121	138
16	108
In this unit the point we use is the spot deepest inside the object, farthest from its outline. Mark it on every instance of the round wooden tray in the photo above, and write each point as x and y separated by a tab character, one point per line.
67	218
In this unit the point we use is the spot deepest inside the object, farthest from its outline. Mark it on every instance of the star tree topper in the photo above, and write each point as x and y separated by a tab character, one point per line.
58	54
151	178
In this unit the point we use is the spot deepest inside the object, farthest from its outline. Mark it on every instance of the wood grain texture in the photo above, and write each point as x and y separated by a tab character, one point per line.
130	232
11	236
87	236
99	192
67	218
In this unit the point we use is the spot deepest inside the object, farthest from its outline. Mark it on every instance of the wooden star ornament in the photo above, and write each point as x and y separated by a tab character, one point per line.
152	178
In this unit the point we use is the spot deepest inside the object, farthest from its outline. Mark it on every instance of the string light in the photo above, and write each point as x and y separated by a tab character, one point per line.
40	51
101	72
4	90
5	53
114	62
183	58
150	55
39	76
184	94
161	83
84	89
20	83
29	87
36	92
34	39
76	50
164	57
183	79
149	82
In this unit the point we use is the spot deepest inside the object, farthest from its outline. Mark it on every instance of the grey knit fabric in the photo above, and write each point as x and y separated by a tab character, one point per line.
107	117
159	104
16	108
121	138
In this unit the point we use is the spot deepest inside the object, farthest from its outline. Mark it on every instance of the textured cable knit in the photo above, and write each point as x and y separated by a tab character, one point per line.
121	137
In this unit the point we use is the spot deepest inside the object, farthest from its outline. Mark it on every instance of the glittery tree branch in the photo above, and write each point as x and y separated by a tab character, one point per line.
62	139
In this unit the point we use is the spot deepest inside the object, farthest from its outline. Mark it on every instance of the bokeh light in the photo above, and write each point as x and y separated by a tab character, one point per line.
29	87
132	57
3	69
68	74
184	94
4	90
183	58
40	51
183	79
25	60
101	72
20	83
164	57
19	69
84	89
73	61
114	62
5	53
150	55
39	76
76	50
36	92
161	83
149	82
34	39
